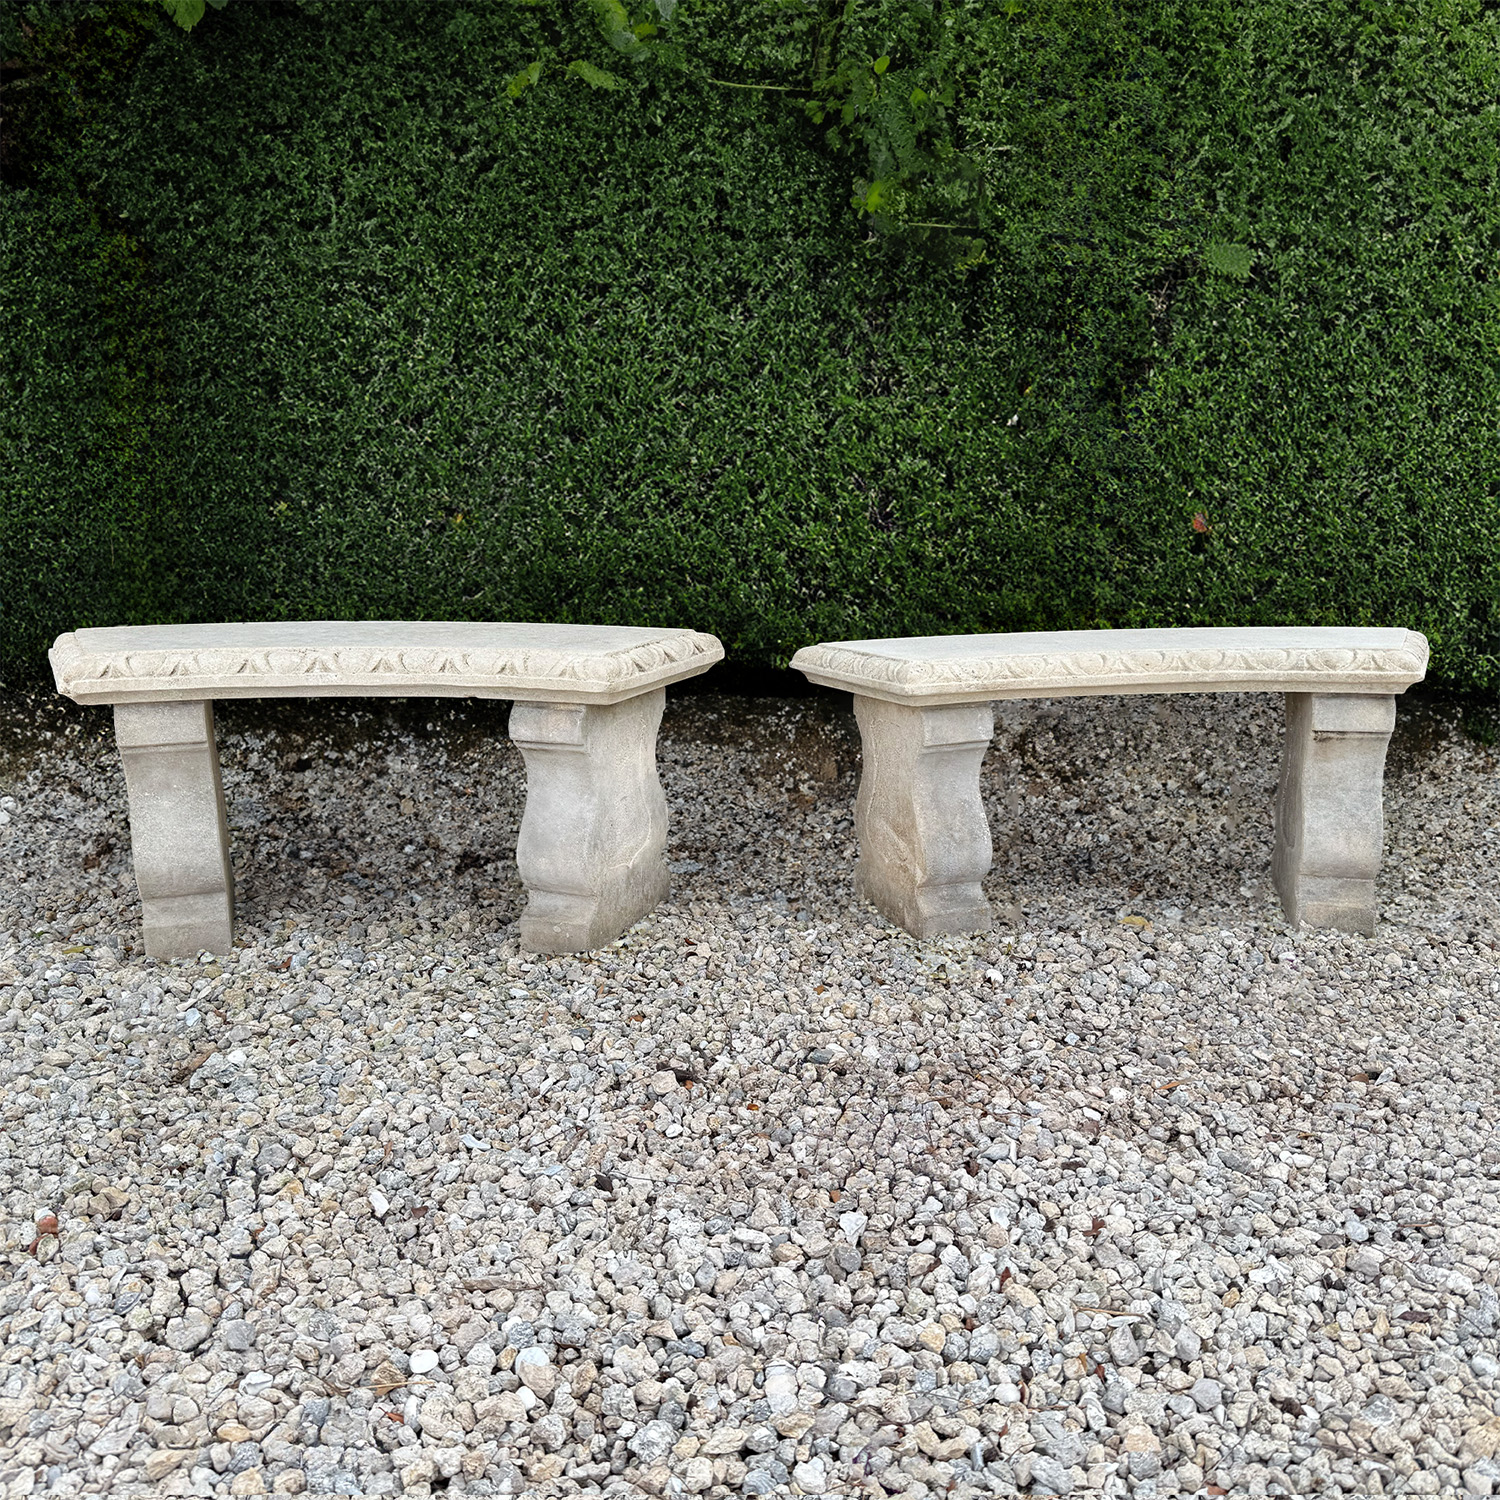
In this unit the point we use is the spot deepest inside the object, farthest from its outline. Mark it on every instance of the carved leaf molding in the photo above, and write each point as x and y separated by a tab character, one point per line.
1203	663
354	663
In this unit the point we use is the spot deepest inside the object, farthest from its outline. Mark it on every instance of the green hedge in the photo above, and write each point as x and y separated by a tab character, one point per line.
305	316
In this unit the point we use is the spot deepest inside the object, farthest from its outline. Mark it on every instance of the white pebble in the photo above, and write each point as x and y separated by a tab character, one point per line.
853	1225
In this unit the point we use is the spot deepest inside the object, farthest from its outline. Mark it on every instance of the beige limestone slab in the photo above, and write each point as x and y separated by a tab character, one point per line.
598	664
1079	663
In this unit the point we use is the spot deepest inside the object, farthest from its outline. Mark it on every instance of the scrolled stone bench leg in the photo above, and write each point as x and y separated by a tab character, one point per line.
594	833
924	840
1329	819
178	836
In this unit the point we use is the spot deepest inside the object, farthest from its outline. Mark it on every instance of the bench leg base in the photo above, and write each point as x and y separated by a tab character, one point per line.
185	926
592	848
1329	819
924	912
924	840
178	835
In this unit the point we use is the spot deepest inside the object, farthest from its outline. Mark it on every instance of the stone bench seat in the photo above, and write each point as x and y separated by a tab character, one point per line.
925	718
588	701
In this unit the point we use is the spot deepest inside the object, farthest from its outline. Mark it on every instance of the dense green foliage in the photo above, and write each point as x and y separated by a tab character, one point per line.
314	311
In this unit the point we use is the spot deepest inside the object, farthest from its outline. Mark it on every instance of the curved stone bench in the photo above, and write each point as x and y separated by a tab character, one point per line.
587	703
923	706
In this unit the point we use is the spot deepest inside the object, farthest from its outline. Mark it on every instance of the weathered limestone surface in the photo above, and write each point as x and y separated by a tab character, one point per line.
1080	663
375	658
178	835
1329	818
588	700
592	850
924	841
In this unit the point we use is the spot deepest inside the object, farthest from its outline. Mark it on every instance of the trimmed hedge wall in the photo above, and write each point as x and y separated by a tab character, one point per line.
305	316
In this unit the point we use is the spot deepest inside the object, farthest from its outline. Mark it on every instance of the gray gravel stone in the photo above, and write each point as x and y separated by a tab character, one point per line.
1142	1185
653	1442
1049	1477
1123	1348
1206	1393
238	1335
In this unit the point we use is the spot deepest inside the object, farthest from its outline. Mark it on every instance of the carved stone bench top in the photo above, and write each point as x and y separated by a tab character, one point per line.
598	664
1079	663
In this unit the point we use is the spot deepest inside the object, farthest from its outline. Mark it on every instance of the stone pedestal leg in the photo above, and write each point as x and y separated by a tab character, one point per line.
924	842
178	837
1329	823
594	834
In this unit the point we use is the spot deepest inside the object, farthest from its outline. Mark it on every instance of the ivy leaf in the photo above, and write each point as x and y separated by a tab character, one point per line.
187	13
899	132
595	77
1229	260
614	22
524	79
973	253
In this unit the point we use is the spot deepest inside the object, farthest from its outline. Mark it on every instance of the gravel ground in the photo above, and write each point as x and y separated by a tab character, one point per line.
1142	1193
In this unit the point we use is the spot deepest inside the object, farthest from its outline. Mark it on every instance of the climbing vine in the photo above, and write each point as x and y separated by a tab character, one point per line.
883	80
